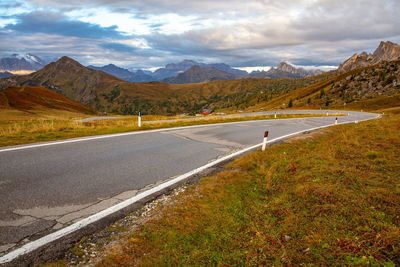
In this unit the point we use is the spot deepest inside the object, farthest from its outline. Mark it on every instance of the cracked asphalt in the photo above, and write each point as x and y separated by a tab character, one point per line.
43	189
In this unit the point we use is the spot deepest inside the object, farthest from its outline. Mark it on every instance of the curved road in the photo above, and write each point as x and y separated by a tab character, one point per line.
46	187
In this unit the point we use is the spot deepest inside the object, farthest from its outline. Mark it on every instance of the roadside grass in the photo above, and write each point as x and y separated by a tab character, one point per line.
333	199
15	132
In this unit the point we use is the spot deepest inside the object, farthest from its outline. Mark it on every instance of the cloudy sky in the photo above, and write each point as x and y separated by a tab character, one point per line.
151	33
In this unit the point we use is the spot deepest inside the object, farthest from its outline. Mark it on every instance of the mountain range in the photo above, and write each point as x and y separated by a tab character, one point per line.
201	73
197	74
172	70
169	72
105	92
125	74
17	65
285	70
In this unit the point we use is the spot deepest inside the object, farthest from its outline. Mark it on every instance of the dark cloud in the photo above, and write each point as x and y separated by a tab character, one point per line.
10	4
56	23
240	33
118	47
341	20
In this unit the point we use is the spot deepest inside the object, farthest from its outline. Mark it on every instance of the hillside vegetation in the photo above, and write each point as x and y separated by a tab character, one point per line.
24	103
370	88
27	98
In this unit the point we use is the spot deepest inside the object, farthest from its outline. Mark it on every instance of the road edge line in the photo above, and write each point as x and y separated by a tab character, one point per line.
36	244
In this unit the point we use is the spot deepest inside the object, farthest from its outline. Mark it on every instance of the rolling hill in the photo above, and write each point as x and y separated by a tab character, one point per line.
35	100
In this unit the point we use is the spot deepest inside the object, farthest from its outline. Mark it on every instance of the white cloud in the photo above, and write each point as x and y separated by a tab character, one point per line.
257	68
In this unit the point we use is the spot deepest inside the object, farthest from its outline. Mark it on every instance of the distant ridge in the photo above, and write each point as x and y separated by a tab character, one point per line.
386	51
18	64
6	74
285	70
196	74
168	73
174	69
124	74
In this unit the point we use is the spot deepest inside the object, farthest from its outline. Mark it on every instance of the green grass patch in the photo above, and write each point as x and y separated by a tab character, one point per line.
330	200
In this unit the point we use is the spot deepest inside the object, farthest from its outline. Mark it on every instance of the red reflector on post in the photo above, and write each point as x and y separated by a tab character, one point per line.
266	134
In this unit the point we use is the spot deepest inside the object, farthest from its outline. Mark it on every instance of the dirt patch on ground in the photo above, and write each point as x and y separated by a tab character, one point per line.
308	136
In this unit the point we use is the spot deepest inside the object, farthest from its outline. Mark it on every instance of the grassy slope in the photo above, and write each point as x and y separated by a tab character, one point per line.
331	200
21	105
30	99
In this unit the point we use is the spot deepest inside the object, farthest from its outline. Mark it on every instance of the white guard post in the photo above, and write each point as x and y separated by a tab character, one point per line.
265	140
336	121
139	120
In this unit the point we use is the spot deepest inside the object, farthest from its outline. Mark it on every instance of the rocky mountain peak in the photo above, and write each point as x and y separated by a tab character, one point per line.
285	70
386	51
65	64
283	66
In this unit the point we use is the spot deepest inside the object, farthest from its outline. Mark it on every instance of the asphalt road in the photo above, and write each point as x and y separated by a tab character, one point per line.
48	187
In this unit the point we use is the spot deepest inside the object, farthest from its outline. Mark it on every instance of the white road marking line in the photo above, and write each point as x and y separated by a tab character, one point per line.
31	246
